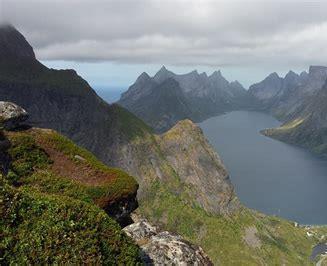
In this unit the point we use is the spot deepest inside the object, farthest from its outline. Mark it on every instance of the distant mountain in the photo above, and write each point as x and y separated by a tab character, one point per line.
166	98
283	96
308	125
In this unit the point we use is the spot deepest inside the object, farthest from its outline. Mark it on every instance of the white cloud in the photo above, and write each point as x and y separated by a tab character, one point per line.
175	32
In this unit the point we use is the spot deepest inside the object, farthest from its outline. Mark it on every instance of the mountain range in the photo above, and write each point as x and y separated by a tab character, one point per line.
299	101
183	185
172	97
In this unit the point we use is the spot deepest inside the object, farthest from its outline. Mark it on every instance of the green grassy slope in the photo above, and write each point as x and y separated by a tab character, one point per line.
273	241
48	218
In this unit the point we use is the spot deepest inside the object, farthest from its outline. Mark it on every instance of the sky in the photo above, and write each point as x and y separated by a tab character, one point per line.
110	43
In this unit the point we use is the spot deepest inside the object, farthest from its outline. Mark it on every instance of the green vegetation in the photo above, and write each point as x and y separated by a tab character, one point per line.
223	238
129	124
30	158
39	228
49	218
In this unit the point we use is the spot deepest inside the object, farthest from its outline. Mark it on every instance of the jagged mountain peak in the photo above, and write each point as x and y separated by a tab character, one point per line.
216	73
273	75
143	77
13	44
204	74
163	74
291	75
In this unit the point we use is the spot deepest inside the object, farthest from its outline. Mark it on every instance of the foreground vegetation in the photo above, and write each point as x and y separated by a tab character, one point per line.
244	238
50	218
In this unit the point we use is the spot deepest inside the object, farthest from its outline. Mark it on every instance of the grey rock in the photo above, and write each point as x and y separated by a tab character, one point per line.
11	115
165	248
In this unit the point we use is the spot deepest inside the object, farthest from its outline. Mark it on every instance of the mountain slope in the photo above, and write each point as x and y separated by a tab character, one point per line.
308	127
192	95
283	96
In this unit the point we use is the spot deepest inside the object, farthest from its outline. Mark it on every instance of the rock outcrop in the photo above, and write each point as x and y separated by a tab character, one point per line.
198	165
11	115
164	99
165	248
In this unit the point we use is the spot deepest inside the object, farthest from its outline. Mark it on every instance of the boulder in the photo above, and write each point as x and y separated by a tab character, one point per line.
11	115
165	248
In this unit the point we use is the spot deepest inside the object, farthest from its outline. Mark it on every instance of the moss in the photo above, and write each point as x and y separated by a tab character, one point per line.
26	157
39	228
29	158
222	237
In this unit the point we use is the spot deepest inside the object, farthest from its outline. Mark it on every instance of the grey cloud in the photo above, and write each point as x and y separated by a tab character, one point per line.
181	32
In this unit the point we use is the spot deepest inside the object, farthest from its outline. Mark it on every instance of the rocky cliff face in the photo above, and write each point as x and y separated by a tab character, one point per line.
199	166
192	95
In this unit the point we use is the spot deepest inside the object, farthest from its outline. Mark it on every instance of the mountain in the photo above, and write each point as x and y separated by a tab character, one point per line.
283	96
166	98
299	101
183	185
308	127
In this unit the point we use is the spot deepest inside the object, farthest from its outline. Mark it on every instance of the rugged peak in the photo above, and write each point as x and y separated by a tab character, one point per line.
143	77
216	74
13	45
204	74
163	74
273	75
217	79
291	73
291	76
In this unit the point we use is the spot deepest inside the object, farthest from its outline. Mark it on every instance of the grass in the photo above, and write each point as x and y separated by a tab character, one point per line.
131	126
41	228
47	218
30	160
222	237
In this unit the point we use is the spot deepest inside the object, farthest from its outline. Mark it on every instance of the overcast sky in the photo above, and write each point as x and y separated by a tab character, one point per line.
111	42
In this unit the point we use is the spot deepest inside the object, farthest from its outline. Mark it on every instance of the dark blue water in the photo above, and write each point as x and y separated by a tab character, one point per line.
268	175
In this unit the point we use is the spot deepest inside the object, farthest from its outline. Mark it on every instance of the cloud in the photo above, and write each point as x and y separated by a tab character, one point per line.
174	32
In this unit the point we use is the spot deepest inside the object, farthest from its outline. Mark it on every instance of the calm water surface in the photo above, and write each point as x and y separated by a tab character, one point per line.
268	175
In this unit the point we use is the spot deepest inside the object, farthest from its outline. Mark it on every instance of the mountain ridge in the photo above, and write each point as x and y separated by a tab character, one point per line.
204	95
